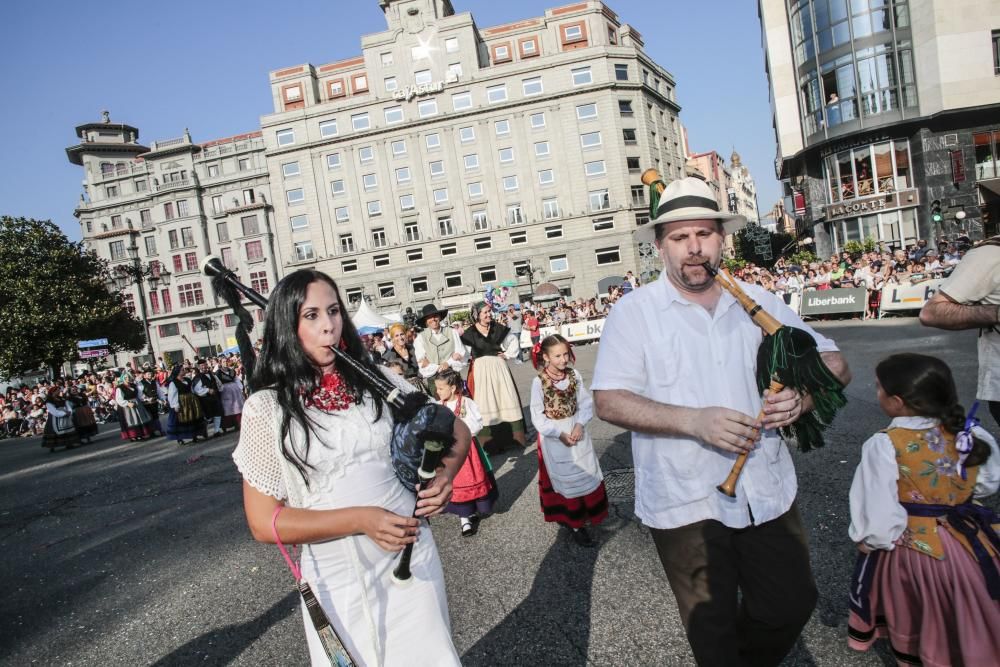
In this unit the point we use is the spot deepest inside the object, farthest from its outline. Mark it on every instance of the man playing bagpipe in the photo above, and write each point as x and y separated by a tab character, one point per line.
678	365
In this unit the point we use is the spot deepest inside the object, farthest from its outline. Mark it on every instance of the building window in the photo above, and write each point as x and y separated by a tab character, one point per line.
258	281
296	196
374	209
304	251
168	210
608	256
342	214
150	245
453	279
483	243
475	190
518	238
399	147
466	134
461	101
590	140
378	238
599	200
154	303
117	250
996	52
480	221
427	108
441	196
604	224
546	177
407	203
628	136
386	58
370	182
254	250
502	128
437	168
411	231
621	72
541	149
116	222
182	208
191	261
496	94
595	168
532	86
298	222
337	187
451	45
418	285
349	266
290	169
403	175
641	219
140	186
554	232
187	237
390	84
586	111
167	303
880	168
168	330
558	264
359	121
987	147
433	140
227	258
414	255
359	83
380	261
514	215
366	154
529	47
506	155
190	295
487	274
387	290
537	120
625	108
445	227
346	243
336	88
354	294
422	77
582	76
454	71
572	33
632	163
249	223
638	196
217	204
501	53
510	183
172	239
333	161
393	115
471	161
285	137
448	249
550	208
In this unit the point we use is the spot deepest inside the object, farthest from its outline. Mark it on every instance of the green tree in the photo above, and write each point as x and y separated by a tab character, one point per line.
745	244
52	295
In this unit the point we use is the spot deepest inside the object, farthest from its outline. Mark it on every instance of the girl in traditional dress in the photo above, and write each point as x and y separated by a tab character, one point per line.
232	397
185	420
59	429
474	489
315	459
928	576
490	382
134	419
83	416
570	481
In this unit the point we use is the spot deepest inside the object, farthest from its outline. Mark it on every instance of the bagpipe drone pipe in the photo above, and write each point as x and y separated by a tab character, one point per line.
423	433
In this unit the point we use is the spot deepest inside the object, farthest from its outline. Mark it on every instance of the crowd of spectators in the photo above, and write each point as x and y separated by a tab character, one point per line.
23	407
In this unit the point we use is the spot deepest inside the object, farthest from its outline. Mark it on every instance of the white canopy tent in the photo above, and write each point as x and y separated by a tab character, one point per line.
367	321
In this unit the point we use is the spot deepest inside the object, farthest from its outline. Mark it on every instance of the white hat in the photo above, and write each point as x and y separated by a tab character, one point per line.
687	199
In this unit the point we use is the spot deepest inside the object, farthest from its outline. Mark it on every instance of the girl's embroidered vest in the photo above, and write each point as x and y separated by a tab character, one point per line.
558	403
928	475
128	392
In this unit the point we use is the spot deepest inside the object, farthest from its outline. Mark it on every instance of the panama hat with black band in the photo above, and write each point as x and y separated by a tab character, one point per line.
685	199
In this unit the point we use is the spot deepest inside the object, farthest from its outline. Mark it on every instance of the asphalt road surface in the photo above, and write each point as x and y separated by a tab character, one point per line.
138	554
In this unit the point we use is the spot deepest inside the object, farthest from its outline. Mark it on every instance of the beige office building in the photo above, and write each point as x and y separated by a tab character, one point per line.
447	157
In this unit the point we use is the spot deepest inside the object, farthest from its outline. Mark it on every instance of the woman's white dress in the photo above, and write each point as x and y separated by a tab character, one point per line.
380	622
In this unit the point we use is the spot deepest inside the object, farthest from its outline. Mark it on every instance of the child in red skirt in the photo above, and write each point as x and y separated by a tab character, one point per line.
474	489
928	576
570	482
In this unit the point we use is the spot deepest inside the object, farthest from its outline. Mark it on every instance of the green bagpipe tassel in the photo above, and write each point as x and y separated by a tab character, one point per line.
654	198
791	357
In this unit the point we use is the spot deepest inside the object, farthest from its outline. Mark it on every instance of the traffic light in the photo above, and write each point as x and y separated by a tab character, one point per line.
936	211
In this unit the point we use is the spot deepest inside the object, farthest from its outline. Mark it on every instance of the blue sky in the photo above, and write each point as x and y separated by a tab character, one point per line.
204	65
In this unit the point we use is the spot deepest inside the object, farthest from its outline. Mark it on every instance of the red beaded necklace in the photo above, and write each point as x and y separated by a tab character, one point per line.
331	395
554	377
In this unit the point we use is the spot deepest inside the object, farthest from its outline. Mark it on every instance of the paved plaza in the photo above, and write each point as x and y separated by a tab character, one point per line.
138	554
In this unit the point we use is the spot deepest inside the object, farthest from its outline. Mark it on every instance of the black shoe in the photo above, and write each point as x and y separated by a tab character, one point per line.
470	529
583	538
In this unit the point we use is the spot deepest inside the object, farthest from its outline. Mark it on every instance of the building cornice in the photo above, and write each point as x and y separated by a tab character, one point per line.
76	153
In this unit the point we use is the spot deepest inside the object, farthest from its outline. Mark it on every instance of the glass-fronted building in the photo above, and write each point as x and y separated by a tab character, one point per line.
882	114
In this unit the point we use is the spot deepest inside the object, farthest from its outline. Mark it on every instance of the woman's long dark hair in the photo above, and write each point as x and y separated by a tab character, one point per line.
284	366
926	386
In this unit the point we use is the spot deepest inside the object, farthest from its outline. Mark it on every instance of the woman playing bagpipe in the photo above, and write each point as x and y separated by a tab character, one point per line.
314	452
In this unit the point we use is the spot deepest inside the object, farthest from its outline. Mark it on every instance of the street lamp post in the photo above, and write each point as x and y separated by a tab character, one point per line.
135	273
206	324
529	271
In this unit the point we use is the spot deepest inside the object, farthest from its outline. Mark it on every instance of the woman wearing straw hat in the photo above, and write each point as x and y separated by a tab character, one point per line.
490	381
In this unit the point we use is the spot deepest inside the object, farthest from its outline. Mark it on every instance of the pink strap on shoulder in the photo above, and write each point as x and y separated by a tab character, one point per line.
296	570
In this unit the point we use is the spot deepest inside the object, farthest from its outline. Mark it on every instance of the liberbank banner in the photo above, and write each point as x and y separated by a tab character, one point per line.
909	296
831	301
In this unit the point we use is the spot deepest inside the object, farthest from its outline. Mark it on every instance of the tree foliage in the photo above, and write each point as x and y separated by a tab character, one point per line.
52	295
745	246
